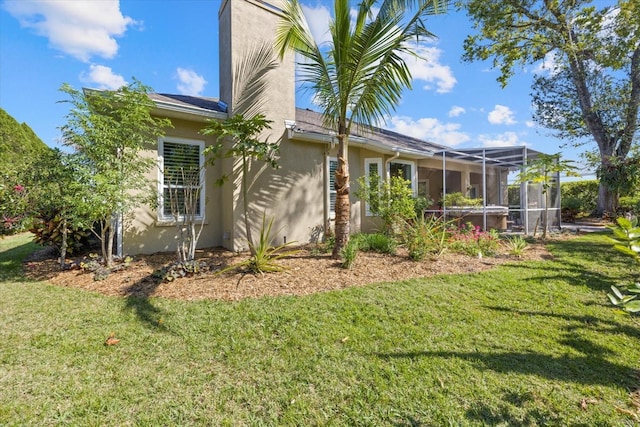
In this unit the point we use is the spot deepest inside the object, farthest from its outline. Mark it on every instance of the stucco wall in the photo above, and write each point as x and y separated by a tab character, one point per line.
145	233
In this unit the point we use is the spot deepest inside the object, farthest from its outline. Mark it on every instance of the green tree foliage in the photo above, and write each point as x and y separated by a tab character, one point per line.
19	145
109	130
393	201
581	196
592	92
359	76
19	148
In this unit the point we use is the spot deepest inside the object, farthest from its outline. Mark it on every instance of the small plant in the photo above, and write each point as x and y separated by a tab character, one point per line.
177	270
381	243
264	255
93	263
626	240
516	245
627	302
425	237
349	253
471	240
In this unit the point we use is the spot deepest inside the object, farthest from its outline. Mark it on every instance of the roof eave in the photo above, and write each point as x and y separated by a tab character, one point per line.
360	142
176	111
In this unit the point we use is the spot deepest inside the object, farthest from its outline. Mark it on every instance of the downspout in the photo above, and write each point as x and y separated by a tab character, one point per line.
525	193
387	162
444	185
484	189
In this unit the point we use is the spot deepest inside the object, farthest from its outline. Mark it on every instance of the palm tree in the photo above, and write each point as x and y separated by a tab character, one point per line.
359	77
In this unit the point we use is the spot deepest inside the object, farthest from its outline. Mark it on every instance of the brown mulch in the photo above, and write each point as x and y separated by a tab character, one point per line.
306	272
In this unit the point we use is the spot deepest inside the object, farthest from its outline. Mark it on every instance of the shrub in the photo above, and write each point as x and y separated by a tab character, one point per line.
515	245
179	269
581	196
47	231
629	204
392	201
375	242
459	199
265	255
425	236
470	240
349	253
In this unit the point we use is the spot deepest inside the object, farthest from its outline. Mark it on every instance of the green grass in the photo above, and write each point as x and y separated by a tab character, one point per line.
520	345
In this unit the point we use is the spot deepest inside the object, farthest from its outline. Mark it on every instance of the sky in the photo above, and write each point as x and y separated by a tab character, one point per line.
172	46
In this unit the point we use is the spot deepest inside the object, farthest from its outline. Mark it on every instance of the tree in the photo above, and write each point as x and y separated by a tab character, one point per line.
109	130
244	134
60	183
543	170
593	90
359	78
244	128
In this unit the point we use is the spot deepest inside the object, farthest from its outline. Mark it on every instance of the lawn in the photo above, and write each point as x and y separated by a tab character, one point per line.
525	344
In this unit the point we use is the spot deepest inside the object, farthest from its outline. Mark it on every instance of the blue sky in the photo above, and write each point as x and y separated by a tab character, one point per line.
172	46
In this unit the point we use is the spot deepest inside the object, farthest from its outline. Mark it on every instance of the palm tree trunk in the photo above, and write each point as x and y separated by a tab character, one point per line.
343	205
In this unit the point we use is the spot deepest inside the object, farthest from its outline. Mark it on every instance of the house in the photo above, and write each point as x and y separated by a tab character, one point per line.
299	194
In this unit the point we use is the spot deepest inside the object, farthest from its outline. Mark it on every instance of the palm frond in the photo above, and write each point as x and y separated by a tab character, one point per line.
250	83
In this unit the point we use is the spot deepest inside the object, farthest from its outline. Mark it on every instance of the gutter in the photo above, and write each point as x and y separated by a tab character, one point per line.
357	141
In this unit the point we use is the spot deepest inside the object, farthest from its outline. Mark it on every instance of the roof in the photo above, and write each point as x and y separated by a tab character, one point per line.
185	106
308	125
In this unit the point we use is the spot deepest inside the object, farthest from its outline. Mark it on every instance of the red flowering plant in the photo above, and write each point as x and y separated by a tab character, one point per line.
469	239
13	207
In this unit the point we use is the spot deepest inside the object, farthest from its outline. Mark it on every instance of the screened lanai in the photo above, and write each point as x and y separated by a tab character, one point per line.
487	176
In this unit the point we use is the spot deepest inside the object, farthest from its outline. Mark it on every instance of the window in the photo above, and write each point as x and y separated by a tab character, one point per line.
406	170
373	170
332	165
181	177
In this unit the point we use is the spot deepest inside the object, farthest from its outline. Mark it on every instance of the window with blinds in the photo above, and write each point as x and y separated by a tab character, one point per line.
373	168
182	178
332	167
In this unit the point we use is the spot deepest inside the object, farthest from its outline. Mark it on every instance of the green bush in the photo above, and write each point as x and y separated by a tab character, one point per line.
392	201
629	204
470	240
459	199
349	253
425	236
47	231
581	196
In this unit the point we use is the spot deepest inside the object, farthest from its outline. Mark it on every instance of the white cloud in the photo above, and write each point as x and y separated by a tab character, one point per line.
530	124
429	129
456	110
429	69
318	19
550	64
506	139
103	77
501	115
81	29
190	82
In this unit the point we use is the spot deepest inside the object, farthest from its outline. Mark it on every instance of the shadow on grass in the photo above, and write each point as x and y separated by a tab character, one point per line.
573	261
586	369
504	414
579	322
138	301
11	262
